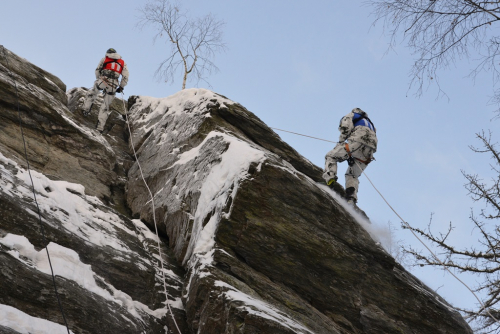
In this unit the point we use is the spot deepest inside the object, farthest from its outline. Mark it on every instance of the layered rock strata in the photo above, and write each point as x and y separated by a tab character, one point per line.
267	248
252	242
105	263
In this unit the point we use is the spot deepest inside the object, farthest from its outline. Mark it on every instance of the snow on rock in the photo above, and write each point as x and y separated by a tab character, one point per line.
67	264
66	203
65	208
23	323
220	184
107	271
264	244
186	105
261	246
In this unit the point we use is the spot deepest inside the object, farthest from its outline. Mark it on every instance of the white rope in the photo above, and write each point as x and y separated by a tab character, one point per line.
430	251
413	232
154	217
295	133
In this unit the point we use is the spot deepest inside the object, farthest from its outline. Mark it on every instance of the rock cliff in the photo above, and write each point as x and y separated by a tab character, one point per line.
251	241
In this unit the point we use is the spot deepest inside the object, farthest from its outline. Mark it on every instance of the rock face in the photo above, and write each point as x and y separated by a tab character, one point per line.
267	248
251	241
106	266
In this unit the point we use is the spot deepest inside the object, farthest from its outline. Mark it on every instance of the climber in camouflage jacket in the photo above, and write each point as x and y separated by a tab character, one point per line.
360	133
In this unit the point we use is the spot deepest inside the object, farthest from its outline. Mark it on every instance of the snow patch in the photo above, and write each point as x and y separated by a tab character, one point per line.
193	100
23	323
65	260
219	185
67	264
66	202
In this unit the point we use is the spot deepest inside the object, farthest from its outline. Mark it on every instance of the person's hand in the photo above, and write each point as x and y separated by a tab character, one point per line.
119	89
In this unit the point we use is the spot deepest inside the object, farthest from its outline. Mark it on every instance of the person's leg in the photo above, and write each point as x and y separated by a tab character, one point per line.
91	95
104	111
352	180
338	154
356	168
109	95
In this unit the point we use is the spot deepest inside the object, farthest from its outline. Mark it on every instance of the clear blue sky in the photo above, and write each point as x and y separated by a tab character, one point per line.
298	66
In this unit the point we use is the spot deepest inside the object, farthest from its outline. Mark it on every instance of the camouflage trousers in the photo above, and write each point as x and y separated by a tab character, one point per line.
108	86
362	154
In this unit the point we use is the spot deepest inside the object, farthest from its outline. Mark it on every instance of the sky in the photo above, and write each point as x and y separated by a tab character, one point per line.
300	66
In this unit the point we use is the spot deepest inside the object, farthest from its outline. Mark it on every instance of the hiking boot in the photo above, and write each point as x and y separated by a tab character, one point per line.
331	183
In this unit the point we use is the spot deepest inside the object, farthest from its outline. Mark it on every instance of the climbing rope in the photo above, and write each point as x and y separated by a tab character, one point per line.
412	231
34	194
295	133
154	215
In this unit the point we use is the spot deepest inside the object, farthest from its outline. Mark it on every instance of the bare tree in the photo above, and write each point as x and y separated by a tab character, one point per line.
482	260
194	42
439	32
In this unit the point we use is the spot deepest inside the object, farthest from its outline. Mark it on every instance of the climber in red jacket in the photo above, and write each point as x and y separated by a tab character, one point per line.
107	74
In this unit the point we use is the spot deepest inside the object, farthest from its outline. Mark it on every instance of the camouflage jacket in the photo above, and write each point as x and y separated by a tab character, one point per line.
364	134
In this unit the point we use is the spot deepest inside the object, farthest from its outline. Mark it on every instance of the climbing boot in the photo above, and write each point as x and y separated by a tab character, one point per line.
331	183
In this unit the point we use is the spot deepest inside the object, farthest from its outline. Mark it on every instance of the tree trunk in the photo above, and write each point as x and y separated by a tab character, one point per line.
184	80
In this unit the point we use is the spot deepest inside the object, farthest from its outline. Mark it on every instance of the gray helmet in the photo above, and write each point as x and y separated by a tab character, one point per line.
111	50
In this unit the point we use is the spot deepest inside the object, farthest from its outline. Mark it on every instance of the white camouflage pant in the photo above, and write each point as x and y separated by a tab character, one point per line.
339	154
109	87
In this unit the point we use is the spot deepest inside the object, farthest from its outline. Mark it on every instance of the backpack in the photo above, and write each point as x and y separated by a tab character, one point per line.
363	120
115	65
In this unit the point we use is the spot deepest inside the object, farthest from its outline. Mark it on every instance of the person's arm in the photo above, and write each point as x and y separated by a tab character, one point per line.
125	74
345	127
99	68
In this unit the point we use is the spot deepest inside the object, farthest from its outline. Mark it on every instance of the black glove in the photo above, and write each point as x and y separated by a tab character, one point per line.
119	89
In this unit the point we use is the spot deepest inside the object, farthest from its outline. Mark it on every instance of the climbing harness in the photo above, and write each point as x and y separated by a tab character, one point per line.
352	159
109	83
414	234
154	215
34	193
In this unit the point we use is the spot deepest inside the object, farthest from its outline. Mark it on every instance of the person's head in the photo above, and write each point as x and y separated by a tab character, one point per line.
111	50
358	111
